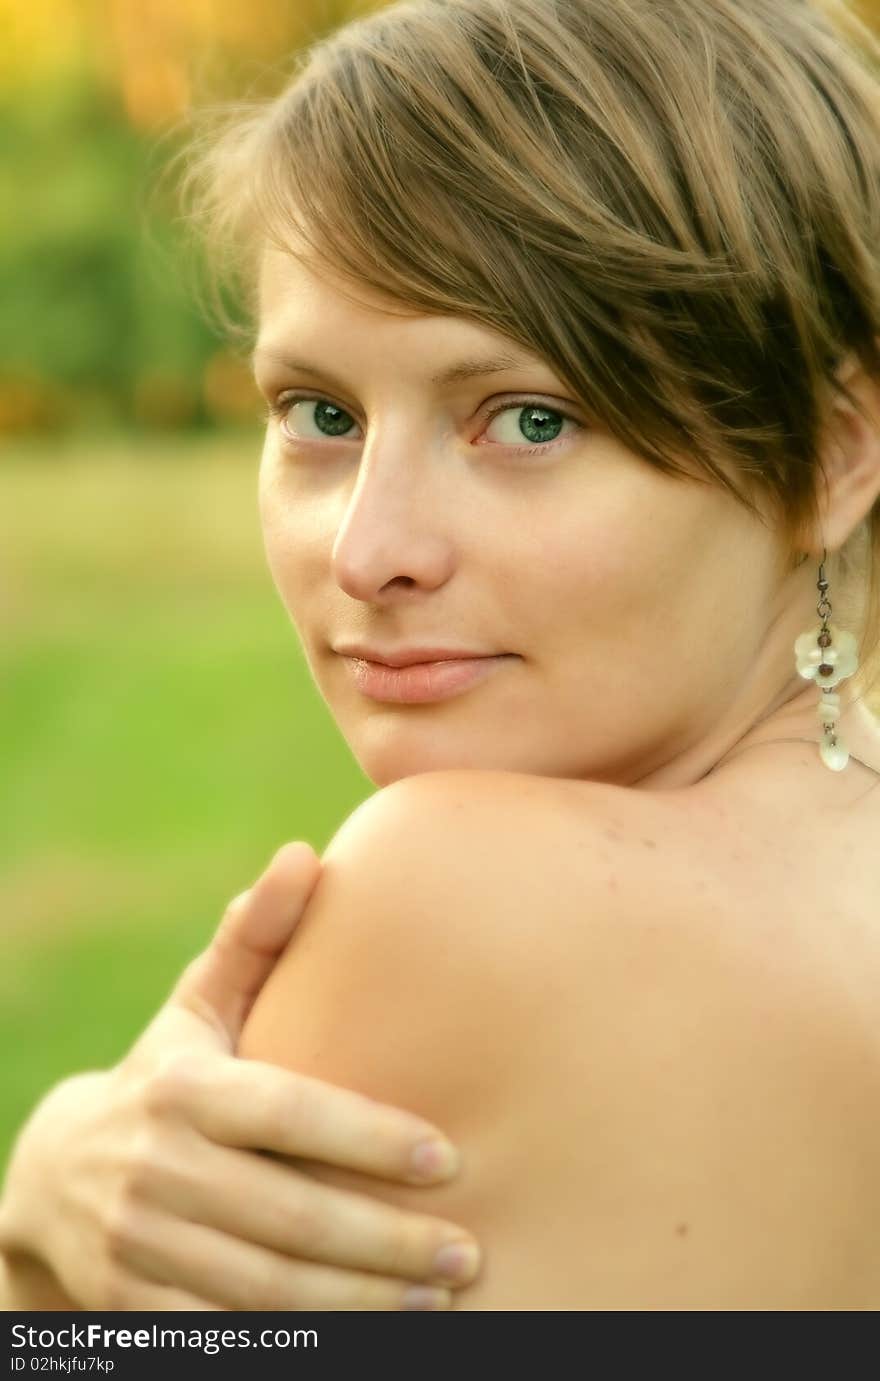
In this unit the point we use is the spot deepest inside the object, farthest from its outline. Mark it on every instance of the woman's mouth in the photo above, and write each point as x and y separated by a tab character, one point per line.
422	682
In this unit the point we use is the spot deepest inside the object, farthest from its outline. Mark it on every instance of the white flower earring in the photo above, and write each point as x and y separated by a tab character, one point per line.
827	655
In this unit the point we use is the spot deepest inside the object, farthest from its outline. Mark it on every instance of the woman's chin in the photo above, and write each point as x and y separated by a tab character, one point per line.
386	752
392	765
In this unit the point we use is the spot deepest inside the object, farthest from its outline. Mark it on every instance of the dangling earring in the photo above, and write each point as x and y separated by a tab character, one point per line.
828	655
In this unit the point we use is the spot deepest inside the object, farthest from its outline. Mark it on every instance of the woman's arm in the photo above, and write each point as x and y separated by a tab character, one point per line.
652	1112
148	1186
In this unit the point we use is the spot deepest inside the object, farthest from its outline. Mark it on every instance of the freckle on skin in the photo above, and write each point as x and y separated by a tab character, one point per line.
682	1230
650	843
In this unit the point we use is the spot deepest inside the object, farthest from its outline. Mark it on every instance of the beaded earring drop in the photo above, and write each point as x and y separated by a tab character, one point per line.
828	655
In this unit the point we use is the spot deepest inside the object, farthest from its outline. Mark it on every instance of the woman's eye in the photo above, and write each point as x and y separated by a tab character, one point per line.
532	422
319	413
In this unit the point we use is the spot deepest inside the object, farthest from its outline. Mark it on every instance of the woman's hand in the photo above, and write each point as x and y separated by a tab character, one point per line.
143	1186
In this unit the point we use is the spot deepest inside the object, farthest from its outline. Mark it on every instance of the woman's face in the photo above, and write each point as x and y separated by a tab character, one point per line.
644	620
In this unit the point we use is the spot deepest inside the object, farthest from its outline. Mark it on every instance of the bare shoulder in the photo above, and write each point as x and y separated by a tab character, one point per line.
485	829
508	888
537	971
471	901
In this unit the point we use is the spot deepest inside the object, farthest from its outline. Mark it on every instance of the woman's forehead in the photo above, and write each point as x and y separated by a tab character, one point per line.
305	312
296	274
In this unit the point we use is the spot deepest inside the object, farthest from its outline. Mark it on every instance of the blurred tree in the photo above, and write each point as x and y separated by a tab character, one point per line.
81	305
100	328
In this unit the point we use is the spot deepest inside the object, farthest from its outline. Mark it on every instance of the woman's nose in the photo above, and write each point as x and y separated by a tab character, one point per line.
393	532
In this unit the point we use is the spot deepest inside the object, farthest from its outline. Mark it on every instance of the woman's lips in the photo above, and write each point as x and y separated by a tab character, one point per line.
422	682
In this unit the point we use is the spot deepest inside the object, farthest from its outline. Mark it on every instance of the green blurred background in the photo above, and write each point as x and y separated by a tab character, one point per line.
160	735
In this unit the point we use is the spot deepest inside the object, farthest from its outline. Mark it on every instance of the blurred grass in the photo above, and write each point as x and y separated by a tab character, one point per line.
160	735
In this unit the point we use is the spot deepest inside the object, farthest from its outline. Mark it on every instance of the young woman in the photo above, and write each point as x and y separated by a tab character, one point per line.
568	321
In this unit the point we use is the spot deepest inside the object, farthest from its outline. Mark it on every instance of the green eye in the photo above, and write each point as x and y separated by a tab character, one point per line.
327	417
532	422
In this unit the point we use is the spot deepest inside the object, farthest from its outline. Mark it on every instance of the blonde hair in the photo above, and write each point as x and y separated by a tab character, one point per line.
676	203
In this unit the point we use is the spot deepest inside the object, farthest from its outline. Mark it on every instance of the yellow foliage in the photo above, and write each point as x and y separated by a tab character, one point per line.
153	50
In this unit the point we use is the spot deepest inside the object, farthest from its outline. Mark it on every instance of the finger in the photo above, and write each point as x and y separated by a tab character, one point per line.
249	1104
288	1211
131	1292
240	1275
222	983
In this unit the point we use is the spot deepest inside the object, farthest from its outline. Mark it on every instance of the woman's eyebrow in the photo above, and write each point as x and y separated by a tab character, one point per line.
452	374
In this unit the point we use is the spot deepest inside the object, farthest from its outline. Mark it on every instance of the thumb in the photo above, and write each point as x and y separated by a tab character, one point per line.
221	984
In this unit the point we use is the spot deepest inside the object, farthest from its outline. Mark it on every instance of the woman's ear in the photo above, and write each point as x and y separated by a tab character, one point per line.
851	453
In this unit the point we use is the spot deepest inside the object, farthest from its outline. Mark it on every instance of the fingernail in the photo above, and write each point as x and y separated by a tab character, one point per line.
423	1297
457	1261
434	1159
